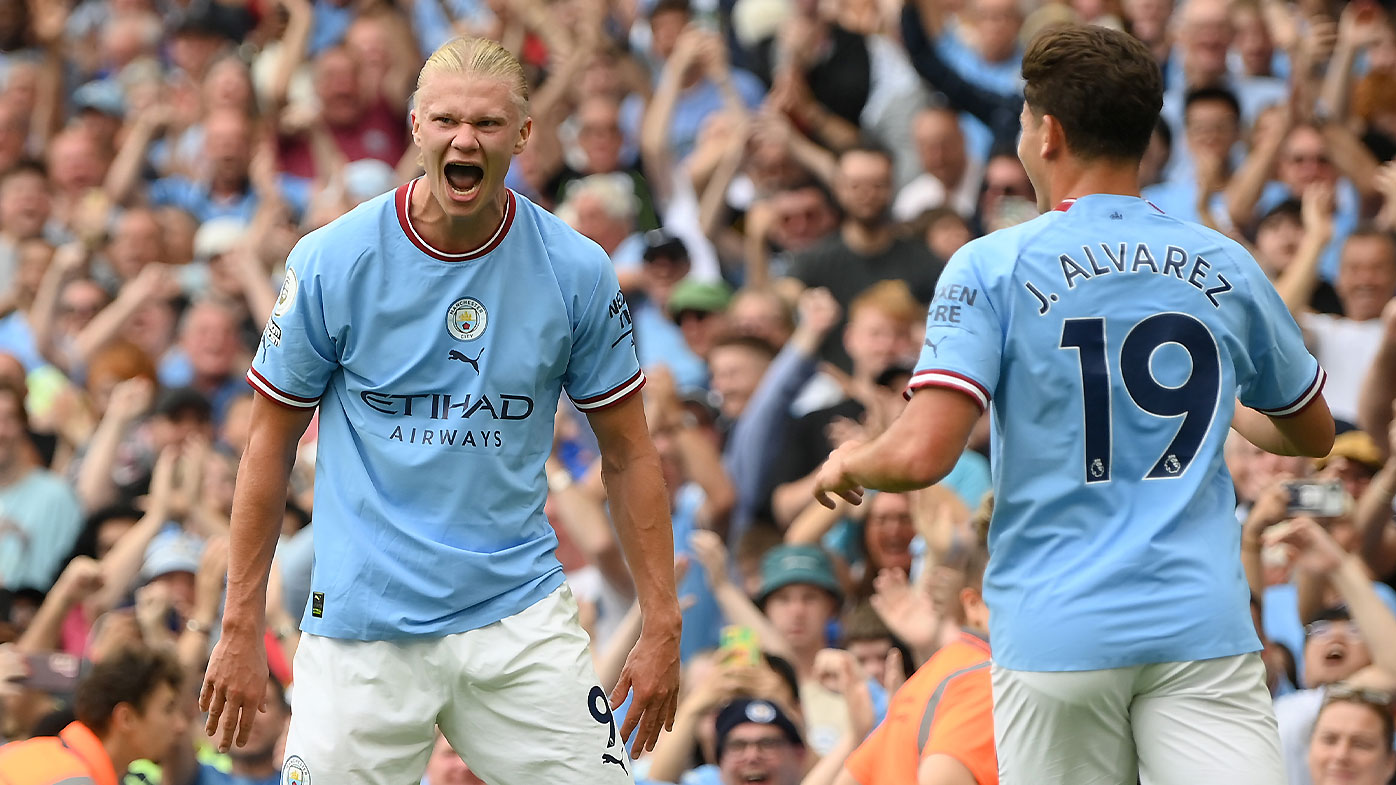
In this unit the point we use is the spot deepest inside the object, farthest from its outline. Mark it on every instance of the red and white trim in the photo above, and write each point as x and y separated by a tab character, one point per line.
403	199
615	396
270	391
949	380
1309	395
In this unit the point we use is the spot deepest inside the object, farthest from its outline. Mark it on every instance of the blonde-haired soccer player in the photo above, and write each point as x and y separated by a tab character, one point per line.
435	328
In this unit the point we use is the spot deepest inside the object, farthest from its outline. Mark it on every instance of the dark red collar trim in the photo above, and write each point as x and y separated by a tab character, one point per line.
403	199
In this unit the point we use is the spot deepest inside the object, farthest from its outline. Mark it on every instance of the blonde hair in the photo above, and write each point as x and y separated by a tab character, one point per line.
891	297
481	57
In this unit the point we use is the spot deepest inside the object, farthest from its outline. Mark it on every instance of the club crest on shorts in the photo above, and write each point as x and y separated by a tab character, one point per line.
295	772
466	318
287	297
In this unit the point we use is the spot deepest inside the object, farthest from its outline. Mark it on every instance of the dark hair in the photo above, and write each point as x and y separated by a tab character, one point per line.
1368	230
25	166
86	543
1103	86
1165	131
861	623
785	671
663	6
759	345
923	222
131	677
1288	211
867	147
1219	94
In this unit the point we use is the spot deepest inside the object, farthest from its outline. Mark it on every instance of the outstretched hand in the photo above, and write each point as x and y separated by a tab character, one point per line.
832	479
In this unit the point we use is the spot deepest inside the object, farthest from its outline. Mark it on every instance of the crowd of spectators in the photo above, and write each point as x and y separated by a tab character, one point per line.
778	183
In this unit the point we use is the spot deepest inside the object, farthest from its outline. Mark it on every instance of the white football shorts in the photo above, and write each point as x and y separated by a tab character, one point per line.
1205	722
518	699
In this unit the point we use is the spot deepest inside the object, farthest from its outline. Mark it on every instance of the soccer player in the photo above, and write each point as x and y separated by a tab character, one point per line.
1112	342
435	327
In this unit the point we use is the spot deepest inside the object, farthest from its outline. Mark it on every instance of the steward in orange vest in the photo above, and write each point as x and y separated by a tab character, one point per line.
127	708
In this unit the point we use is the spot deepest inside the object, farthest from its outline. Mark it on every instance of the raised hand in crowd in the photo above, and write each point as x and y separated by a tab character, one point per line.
1385	182
1316	553
907	610
12	670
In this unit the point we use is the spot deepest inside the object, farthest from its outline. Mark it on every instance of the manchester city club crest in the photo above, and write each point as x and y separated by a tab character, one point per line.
295	772
466	318
287	297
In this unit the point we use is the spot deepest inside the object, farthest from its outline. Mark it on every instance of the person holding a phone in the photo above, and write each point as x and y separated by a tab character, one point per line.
128	708
1340	645
1112	343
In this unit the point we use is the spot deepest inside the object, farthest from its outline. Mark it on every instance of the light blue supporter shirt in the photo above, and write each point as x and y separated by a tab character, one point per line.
437	376
1113	341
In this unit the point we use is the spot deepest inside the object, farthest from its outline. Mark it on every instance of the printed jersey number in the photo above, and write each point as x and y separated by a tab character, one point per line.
1195	400
600	709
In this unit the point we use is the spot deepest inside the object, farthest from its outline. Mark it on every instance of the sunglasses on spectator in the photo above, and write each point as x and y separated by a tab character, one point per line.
1314	158
1323	629
1380	699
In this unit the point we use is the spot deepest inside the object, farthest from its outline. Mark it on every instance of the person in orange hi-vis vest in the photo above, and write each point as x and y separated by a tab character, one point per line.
127	708
940	725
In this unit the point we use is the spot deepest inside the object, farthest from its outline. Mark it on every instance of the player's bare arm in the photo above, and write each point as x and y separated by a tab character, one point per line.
640	510
1309	432
919	449
235	684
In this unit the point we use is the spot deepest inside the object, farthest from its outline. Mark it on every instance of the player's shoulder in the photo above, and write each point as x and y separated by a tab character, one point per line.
335	248
568	251
997	253
1199	236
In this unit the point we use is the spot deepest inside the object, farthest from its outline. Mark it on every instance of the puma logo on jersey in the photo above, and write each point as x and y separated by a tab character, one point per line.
607	757
473	362
932	345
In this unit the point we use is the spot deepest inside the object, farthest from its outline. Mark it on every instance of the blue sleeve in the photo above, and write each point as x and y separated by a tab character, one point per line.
603	369
964	333
297	353
1286	377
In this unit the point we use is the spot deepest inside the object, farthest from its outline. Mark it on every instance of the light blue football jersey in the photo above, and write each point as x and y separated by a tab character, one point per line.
1113	342
438	376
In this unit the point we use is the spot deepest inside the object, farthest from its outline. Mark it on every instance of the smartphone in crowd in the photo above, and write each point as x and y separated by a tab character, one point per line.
1317	499
56	673
738	646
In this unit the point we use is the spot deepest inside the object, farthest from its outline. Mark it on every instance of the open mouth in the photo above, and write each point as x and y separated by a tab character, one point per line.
464	179
756	777
1335	654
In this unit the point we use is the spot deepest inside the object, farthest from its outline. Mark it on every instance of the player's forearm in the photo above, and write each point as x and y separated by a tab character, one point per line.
259	502
894	463
1261	431
640	513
